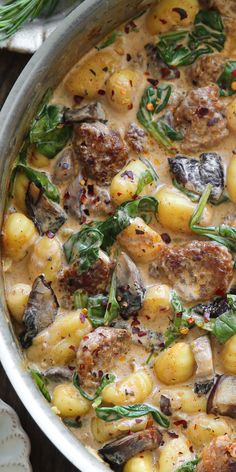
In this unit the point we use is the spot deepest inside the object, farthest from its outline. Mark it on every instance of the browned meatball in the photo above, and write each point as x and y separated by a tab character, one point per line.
98	351
135	137
94	281
101	151
198	270
207	69
201	116
219	456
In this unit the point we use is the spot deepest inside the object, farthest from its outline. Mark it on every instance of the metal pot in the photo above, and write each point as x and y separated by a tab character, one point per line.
81	30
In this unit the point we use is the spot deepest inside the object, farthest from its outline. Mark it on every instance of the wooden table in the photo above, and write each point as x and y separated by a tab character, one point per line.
44	456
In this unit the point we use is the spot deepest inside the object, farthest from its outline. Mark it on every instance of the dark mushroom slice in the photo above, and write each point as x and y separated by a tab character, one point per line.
47	215
89	113
40	312
65	166
165	405
195	174
59	373
118	452
203	387
130	288
222	399
213	309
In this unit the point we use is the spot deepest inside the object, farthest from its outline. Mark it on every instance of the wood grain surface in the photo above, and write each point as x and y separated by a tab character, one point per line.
44	456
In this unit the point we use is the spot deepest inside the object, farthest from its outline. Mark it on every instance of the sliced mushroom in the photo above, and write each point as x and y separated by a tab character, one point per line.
118	452
46	214
65	166
222	399
202	352
213	309
40	311
195	174
130	289
88	113
58	373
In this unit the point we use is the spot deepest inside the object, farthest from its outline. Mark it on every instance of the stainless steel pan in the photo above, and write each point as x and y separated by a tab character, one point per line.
81	30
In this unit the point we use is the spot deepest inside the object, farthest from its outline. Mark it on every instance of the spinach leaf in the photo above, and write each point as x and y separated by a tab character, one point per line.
113	307
147	177
222	234
153	101
227	79
114	413
188	466
41	383
41	180
97	305
109	41
192	196
49	132
106	380
182	48
83	247
70	423
80	299
223	327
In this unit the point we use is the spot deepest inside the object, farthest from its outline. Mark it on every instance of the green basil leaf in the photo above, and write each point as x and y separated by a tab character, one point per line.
113	307
227	78
41	180
41	383
49	132
114	413
106	380
188	466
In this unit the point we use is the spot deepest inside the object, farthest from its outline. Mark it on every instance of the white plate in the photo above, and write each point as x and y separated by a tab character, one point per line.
31	36
14	443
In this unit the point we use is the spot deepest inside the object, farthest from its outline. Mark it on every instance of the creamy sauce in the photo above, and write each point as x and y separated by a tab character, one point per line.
128	52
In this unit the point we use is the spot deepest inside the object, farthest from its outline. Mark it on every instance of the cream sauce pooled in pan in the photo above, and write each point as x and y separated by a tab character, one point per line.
119	241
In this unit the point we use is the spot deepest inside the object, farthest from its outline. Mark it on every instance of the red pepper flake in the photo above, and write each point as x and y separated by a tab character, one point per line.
82	317
105	69
163	21
93	72
129	174
101	92
73	348
130	106
202	111
119	194
135	322
83	197
233	73
181	423
141	334
190	320
129	27
50	234
90	190
138	420
78	99
166	238
139	231
220	292
172	434
182	13
128	57
179	315
153	82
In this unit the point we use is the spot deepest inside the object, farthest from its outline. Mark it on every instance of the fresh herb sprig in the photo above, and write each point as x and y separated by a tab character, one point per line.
114	413
154	100
223	327
222	234
17	12
182	48
41	383
83	247
106	380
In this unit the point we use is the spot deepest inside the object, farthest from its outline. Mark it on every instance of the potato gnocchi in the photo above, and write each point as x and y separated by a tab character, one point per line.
119	242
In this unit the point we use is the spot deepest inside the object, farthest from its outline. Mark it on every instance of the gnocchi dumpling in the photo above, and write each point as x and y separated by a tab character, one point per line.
57	345
167	14
174	454
17	299
104	431
142	243
142	462
176	364
88	78
157	301
134	388
19	234
68	401
20	188
121	89
46	258
229	355
203	428
125	185
175	210
231	179
184	399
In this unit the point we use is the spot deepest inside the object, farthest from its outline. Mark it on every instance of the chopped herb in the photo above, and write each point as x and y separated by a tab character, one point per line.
41	382
106	380
110	40
188	466
227	80
114	413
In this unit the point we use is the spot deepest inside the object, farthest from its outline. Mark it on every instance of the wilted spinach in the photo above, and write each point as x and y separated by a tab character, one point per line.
109	40
227	78
182	48
114	413
188	466
106	380
83	247
41	383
